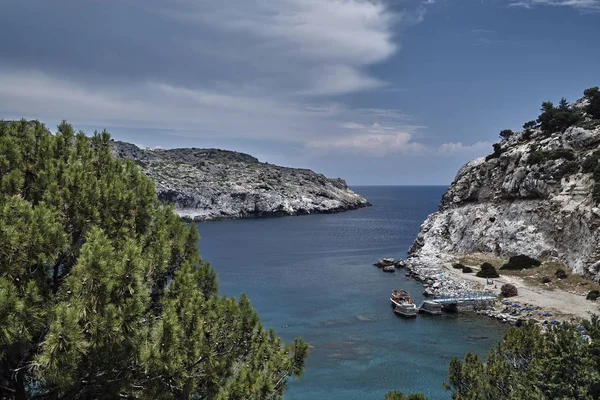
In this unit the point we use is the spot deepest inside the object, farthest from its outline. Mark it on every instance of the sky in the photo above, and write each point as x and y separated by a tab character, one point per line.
378	92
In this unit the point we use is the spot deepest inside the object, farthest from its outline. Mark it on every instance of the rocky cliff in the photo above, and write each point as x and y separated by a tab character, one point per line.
209	184
537	194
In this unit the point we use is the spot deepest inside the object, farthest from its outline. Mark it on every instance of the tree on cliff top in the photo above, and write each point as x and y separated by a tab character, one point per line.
103	292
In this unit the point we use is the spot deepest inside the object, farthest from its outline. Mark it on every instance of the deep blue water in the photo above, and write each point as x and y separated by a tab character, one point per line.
314	274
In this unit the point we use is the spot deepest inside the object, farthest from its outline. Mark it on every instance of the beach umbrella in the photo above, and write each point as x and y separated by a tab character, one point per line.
547	315
555	322
506	303
527	308
581	328
516	305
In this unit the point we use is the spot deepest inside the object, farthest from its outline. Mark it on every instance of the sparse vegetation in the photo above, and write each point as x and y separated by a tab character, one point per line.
561	273
467	270
496	153
458	266
487	271
567	168
520	262
546	279
541	156
557	119
593	295
506	133
593	96
509	290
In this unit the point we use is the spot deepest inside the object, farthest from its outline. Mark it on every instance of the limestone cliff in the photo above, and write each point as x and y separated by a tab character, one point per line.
209	184
534	195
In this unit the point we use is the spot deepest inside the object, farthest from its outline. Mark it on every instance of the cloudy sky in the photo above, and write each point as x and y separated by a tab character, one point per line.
374	91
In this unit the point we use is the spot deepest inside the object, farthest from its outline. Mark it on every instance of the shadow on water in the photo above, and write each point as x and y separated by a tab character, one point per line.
312	276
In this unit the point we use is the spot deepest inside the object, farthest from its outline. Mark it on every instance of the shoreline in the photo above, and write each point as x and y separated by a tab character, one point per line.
439	278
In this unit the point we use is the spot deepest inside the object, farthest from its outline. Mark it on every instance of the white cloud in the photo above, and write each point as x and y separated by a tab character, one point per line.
583	5
321	46
459	148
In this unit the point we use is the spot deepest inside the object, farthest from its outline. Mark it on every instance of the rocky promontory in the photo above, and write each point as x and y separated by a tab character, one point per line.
211	184
536	194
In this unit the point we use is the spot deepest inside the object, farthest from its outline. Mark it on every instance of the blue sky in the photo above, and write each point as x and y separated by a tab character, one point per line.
374	91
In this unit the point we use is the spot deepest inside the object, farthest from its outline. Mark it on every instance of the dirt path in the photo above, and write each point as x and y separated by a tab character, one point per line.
561	304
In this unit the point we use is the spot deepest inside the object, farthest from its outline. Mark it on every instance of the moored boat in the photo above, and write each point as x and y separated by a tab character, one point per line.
403	304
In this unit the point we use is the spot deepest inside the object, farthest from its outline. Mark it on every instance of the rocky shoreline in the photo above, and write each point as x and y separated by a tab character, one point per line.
212	184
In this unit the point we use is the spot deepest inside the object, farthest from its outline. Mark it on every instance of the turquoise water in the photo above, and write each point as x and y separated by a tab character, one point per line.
311	276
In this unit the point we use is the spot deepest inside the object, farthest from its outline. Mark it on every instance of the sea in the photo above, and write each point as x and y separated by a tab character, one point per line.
313	277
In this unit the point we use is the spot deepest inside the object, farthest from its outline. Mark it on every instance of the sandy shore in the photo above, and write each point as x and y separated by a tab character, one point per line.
561	304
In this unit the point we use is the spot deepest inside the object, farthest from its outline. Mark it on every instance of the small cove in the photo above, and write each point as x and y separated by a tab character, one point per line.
311	276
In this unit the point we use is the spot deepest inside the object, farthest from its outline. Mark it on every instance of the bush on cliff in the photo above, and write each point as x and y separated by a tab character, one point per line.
102	291
458	266
557	119
561	274
593	96
520	262
593	295
541	156
467	270
506	133
487	271
508	290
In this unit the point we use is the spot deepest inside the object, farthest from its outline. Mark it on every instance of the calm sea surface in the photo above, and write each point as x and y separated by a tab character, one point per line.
311	276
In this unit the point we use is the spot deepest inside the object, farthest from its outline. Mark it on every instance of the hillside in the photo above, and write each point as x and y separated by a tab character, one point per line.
211	184
536	194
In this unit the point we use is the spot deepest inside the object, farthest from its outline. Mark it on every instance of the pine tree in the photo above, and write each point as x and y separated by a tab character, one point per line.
102	291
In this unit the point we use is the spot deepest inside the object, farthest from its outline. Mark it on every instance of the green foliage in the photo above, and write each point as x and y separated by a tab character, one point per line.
593	96
520	262
467	270
530	125
508	290
395	395
487	271
593	295
102	290
506	133
567	168
458	266
557	119
498	150
541	156
561	273
530	365
591	162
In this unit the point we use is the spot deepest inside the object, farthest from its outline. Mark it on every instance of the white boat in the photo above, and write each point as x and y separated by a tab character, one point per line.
403	304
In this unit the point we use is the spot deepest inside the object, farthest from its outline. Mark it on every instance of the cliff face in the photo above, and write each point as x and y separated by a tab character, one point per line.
209	184
534	196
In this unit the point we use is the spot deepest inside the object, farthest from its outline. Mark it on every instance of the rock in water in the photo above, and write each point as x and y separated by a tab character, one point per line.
210	184
533	196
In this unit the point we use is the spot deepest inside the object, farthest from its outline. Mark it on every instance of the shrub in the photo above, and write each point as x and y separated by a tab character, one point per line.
591	162
506	133
487	271
509	290
467	270
541	156
520	262
529	125
546	279
561	273
498	150
568	168
458	266
557	119
592	295
593	108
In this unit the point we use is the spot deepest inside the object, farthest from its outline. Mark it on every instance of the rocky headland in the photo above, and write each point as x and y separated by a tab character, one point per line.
211	184
536	194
